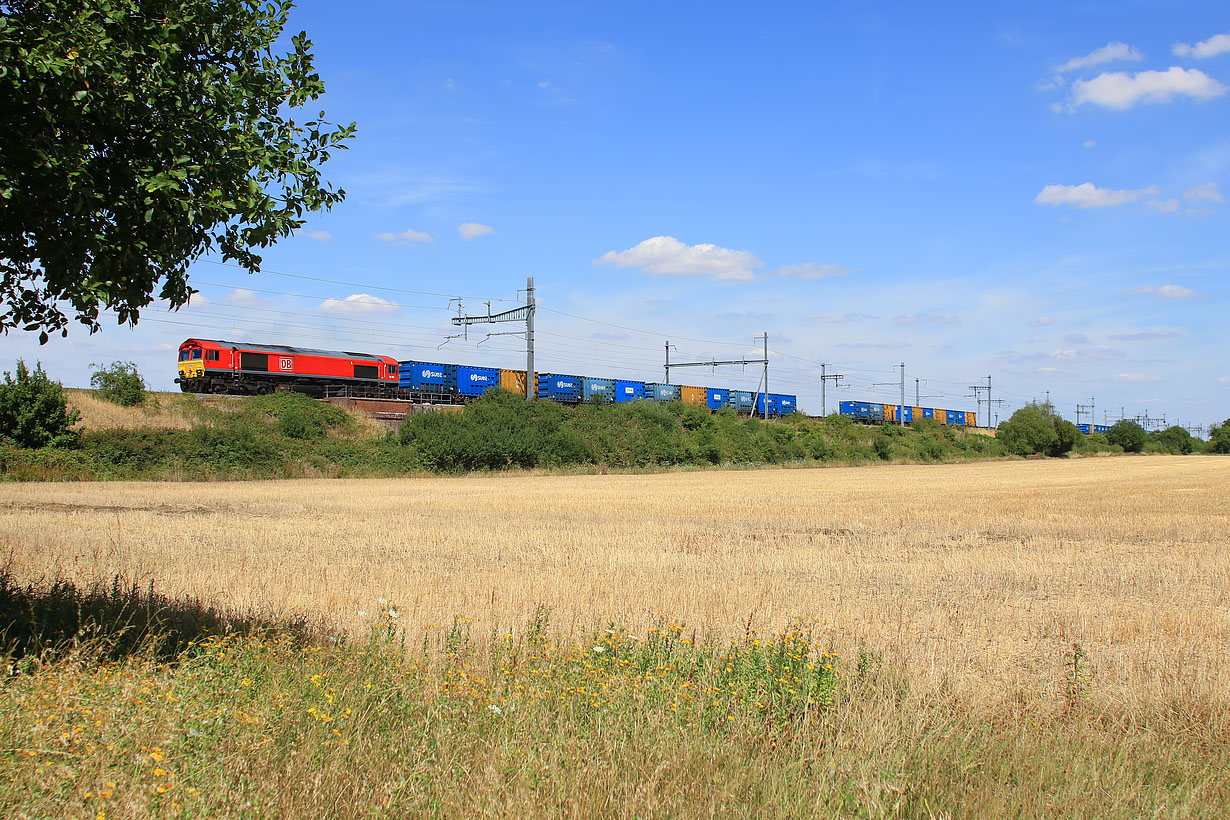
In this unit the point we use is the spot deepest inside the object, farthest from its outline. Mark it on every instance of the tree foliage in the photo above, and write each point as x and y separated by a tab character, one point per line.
138	135
1174	439
1219	438
33	410
1127	434
119	382
1037	428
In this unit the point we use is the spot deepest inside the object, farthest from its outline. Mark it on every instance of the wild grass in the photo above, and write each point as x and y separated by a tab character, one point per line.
1014	639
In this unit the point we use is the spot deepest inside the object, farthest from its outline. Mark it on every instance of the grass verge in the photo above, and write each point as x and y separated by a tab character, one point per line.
525	723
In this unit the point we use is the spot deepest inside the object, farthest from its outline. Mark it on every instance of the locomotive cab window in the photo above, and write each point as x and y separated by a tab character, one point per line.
211	355
390	369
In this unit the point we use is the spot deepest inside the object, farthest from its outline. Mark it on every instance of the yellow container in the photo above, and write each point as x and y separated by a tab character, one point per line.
890	413
514	381
692	395
941	416
915	414
971	418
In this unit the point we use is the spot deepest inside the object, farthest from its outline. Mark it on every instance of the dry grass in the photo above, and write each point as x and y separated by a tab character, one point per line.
179	411
969	582
171	411
980	575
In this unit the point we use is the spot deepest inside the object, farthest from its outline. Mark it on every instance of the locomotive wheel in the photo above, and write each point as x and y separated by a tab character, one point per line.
218	388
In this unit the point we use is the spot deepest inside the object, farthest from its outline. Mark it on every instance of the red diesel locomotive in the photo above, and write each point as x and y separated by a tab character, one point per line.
211	366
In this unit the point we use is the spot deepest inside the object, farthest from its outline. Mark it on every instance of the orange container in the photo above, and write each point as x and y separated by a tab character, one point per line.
971	418
692	395
941	416
890	413
514	381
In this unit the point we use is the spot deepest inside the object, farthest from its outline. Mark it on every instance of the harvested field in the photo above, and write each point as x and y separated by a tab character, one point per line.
980	575
1011	639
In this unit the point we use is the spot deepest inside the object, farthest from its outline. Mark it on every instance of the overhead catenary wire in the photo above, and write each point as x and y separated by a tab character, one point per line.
591	352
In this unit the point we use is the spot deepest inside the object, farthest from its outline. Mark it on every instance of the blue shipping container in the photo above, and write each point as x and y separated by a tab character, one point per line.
474	381
928	412
629	390
1084	428
655	391
744	400
716	397
428	377
557	387
955	416
909	413
786	403
602	389
773	408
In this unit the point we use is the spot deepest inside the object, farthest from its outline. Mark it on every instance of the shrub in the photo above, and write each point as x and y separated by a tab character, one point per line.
1219	438
1174	440
34	411
299	416
883	445
1127	434
1036	428
119	382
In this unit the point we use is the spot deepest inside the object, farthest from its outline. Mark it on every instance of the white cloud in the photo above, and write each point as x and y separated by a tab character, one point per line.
1088	195
1089	144
1167	206
1146	335
667	256
406	237
1106	54
1137	377
1116	89
934	318
1208	192
1224	380
1173	292
319	236
1041	321
811	270
1217	44
358	304
838	318
894	345
473	230
243	296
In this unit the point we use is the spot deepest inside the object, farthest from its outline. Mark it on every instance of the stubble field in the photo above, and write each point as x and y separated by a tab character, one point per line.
1036	630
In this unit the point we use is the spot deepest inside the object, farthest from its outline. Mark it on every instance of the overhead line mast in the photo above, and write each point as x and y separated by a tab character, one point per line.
525	314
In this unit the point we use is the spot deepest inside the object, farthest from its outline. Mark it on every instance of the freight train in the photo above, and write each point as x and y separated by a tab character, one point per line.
211	366
874	413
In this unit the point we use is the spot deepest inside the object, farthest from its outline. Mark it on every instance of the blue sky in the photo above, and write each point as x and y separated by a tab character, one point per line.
1030	191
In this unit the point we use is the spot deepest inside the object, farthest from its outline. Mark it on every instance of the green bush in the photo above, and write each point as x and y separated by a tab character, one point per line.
119	382
34	411
1127	434
1219	438
298	416
1173	440
1036	428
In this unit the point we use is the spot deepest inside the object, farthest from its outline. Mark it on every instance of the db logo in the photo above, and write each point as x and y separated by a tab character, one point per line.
286	363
